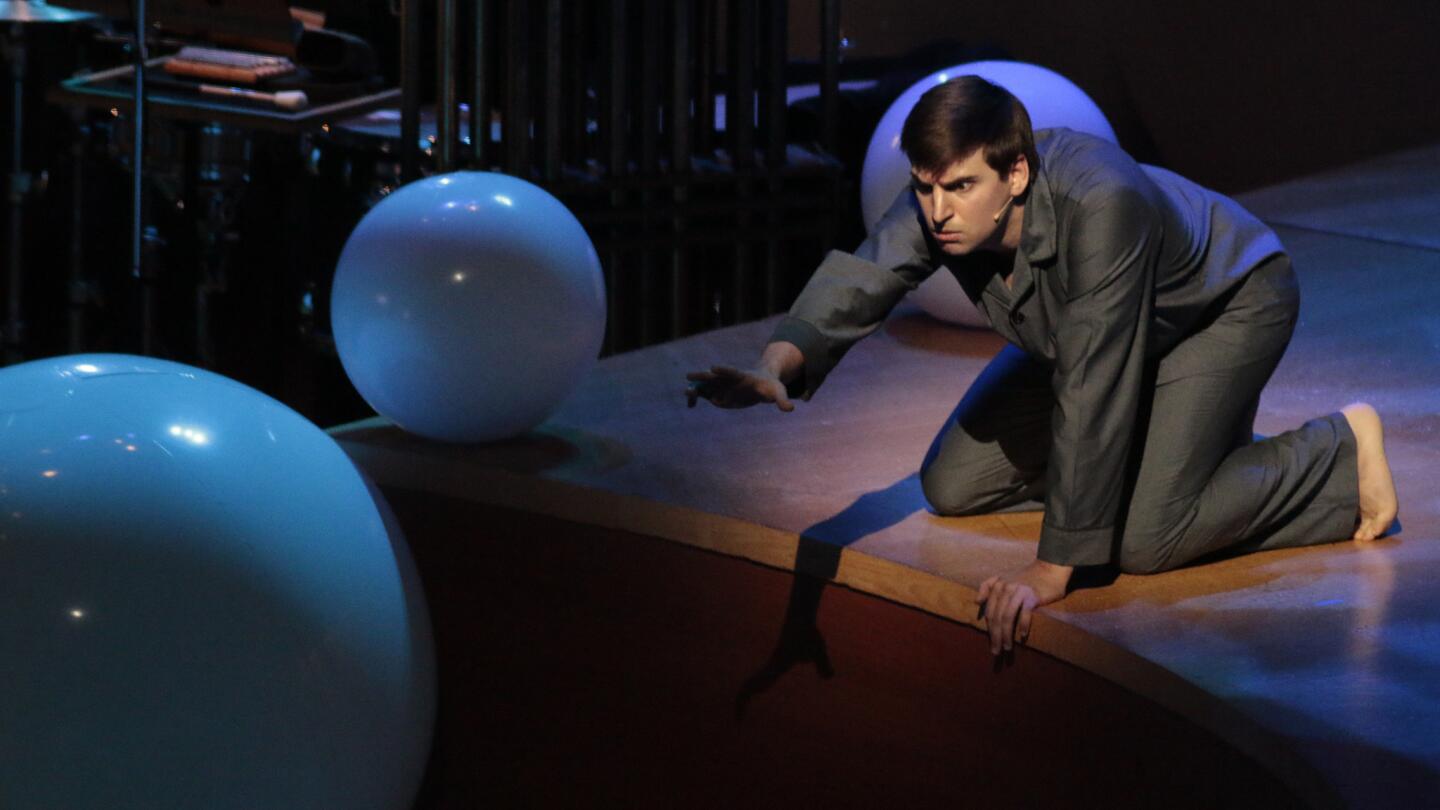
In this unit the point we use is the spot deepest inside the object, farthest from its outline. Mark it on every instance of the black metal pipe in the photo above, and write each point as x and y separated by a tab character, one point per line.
648	123
516	142
650	49
16	182
615	67
681	31
149	296
576	82
409	90
678	124
78	287
773	106
707	21
479	92
447	124
617	62
740	96
550	162
740	138
776	25
829	75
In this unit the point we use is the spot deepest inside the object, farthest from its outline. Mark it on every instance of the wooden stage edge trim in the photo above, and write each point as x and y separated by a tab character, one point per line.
452	477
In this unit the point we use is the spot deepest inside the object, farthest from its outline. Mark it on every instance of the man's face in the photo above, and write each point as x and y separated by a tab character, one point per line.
960	204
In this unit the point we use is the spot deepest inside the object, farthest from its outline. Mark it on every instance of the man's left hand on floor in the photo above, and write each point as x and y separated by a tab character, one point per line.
1008	600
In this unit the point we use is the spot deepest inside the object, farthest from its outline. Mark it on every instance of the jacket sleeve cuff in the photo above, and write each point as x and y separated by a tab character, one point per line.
811	344
1075	546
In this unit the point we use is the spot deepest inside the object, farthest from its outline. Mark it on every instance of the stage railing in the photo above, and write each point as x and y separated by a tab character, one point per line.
661	124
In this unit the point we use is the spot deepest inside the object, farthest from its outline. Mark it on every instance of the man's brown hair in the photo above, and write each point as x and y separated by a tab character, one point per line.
966	113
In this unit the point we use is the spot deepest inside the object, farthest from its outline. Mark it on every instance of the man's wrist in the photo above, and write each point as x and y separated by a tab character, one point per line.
1061	572
781	359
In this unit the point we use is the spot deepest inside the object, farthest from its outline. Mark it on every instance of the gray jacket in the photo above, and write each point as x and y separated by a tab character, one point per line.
1118	262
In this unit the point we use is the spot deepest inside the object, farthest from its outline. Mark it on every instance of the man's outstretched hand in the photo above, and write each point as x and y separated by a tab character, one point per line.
1008	600
730	387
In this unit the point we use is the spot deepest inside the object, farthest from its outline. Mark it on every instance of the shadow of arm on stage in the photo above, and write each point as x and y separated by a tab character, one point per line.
817	561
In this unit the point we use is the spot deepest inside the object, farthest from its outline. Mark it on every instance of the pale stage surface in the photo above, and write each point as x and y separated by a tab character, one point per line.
1318	661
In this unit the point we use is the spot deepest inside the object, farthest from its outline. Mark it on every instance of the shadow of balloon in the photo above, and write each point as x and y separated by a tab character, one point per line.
548	448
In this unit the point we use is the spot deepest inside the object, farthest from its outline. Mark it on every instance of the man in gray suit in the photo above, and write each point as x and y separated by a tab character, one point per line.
1144	315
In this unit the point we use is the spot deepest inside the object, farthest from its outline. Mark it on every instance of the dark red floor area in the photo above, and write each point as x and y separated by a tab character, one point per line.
589	667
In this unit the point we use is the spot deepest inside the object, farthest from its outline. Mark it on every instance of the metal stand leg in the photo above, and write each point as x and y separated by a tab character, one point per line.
17	188
79	288
223	162
141	242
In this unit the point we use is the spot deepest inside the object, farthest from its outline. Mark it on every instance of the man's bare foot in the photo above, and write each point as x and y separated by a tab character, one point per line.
1378	504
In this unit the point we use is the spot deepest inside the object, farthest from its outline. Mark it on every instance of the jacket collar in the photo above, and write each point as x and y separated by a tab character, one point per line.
1037	239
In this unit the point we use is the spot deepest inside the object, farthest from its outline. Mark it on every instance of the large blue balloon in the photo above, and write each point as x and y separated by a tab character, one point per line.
467	306
202	602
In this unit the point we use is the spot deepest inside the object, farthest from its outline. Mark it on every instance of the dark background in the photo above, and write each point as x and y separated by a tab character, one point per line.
1234	94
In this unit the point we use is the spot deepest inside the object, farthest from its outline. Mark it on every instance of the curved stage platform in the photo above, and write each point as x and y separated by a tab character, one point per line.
642	603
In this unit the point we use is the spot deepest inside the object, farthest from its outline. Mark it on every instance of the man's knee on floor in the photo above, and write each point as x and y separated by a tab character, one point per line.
950	494
1143	555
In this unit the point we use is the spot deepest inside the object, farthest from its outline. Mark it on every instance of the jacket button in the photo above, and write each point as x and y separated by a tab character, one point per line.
1017	317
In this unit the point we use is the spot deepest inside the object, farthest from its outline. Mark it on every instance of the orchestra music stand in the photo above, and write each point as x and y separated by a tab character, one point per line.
265	21
264	24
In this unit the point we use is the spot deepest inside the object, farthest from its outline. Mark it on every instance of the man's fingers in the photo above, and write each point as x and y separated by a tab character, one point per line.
1013	597
1022	631
776	392
1018	613
701	388
984	592
995	617
727	371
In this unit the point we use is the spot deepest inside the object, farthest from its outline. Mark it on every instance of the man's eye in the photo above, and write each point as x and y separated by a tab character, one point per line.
920	187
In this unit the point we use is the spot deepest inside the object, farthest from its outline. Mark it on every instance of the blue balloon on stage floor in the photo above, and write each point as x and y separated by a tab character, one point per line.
467	306
203	603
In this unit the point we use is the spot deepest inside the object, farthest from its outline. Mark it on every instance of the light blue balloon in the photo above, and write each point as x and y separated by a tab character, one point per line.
467	306
202	601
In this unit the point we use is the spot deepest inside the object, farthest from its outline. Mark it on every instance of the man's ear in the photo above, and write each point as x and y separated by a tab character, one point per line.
1019	178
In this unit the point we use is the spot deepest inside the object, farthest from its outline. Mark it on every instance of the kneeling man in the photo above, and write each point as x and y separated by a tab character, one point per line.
1144	315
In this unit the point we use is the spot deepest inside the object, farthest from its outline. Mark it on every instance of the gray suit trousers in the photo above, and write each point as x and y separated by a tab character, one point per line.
1198	481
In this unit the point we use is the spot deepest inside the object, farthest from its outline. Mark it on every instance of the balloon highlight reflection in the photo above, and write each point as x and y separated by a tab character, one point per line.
202	603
